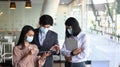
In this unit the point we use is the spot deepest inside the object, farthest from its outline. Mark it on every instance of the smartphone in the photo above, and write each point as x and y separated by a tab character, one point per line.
51	51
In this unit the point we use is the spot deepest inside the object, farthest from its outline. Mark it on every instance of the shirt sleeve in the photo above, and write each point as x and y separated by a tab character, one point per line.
85	48
41	62
16	56
24	61
19	60
64	51
36	57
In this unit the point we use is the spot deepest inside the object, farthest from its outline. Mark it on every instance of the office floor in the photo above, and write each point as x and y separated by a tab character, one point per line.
55	65
8	63
62	65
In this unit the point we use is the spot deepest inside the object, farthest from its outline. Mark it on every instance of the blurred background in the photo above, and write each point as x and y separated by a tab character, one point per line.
99	19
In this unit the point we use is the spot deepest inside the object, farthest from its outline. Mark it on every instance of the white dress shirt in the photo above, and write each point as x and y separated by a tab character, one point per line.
42	37
82	43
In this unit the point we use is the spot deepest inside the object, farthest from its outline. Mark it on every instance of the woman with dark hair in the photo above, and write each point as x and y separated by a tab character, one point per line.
75	57
25	53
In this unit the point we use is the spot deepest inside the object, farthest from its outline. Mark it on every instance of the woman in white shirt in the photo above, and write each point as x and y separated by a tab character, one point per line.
75	57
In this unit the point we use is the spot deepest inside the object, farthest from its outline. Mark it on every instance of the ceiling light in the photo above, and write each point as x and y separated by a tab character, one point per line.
12	5
28	4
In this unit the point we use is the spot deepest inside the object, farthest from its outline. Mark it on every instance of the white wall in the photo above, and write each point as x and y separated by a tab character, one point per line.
16	19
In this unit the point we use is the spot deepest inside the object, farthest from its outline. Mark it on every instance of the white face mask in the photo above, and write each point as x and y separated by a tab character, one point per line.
44	30
69	31
29	39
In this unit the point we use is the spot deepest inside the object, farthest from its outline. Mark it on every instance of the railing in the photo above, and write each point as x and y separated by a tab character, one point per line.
112	36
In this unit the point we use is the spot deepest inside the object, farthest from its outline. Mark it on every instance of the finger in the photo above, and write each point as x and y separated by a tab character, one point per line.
39	56
52	48
78	48
56	45
39	61
44	55
48	52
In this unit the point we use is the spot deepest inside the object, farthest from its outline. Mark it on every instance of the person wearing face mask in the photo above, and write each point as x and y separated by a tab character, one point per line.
46	39
25	53
75	57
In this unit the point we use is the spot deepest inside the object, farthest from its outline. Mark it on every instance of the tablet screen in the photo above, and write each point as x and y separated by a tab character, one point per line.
71	43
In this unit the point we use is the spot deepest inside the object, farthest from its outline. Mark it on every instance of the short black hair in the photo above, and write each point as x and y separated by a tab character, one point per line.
45	20
71	21
24	31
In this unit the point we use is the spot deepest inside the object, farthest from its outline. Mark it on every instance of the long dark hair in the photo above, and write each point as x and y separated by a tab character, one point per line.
24	31
75	26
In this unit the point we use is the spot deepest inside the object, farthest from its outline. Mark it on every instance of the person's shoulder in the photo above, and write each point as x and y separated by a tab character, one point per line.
53	32
36	29
81	34
17	47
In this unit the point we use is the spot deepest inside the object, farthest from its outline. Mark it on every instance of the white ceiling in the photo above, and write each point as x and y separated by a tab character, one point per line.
41	1
65	1
36	1
61	1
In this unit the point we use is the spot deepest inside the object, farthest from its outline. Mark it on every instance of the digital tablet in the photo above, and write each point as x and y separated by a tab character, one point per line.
71	44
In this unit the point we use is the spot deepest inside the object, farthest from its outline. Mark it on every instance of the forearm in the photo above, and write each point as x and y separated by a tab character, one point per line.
41	61
83	54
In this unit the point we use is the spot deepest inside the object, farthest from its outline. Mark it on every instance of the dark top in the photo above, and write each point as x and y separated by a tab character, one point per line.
50	40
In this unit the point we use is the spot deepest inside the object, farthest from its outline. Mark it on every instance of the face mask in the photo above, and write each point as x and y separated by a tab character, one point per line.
29	38
44	30
69	31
